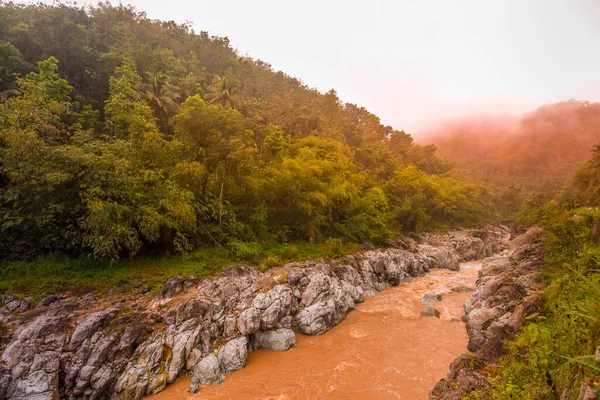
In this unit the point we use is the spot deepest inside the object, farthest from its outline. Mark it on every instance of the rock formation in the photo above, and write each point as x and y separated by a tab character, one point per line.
128	347
507	290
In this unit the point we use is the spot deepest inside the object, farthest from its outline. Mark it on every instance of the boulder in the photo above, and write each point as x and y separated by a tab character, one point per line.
430	311
249	321
90	325
234	354
278	339
316	319
432	297
206	372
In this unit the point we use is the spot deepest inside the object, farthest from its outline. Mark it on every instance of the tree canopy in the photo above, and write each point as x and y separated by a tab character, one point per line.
136	135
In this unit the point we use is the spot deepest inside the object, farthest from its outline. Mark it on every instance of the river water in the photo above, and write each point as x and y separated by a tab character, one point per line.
382	350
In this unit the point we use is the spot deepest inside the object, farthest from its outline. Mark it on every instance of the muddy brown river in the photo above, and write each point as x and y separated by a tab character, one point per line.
382	350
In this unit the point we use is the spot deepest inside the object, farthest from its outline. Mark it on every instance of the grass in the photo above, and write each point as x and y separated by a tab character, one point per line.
52	274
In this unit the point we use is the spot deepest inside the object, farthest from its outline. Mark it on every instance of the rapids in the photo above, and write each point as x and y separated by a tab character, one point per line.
382	350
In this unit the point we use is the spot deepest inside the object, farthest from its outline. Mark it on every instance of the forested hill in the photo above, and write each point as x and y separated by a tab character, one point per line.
539	152
123	134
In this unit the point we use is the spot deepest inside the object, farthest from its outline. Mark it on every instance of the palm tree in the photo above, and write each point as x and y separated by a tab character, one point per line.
162	96
223	91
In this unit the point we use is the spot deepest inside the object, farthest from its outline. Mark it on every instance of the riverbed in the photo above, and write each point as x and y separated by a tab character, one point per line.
382	350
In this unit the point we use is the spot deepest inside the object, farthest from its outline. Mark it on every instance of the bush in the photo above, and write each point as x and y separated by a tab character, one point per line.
243	250
270	262
336	248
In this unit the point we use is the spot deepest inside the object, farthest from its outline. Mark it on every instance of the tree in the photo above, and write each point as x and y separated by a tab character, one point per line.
43	105
223	91
127	114
12	66
162	96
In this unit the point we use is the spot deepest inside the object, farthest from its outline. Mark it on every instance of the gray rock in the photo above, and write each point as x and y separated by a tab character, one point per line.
285	322
206	372
277	339
46	301
229	326
25	303
249	321
170	289
90	325
234	354
316	319
13	305
430	311
432	297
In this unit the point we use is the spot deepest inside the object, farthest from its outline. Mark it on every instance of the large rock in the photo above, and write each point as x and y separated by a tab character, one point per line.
90	325
234	354
33	358
430	311
249	321
277	339
206	372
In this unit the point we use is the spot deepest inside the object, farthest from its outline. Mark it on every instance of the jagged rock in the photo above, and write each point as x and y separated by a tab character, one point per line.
140	354
33	358
229	326
444	257
316	319
170	289
46	301
12	305
249	321
144	375
238	271
432	297
192	308
25	303
430	311
274	305
285	322
277	339
234	354
206	372
90	325
494	312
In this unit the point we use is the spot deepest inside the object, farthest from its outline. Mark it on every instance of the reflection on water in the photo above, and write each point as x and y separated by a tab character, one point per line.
382	350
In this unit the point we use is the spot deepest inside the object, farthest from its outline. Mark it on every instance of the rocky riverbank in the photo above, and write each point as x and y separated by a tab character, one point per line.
507	291
125	348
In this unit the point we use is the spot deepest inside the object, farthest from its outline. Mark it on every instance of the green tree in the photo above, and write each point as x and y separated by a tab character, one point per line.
43	105
12	65
127	114
223	91
162	96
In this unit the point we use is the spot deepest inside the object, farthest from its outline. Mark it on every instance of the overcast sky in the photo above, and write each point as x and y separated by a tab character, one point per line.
415	61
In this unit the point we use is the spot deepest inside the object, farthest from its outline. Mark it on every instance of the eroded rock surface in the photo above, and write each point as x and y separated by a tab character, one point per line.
507	290
128	347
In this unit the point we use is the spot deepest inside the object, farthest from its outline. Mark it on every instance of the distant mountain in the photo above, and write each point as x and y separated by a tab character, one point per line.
540	151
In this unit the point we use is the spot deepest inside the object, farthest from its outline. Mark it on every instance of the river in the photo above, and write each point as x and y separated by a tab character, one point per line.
382	350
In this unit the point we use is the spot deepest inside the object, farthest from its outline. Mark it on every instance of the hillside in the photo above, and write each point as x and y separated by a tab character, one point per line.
539	152
122	134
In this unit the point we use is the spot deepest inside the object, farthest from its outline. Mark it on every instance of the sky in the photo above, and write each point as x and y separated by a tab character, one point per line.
414	62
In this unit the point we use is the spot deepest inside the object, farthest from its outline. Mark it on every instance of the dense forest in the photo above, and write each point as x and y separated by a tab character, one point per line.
539	152
122	134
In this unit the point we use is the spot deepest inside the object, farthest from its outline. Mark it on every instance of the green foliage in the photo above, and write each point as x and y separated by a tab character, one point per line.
12	65
336	247
242	250
587	181
128	115
147	138
549	355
